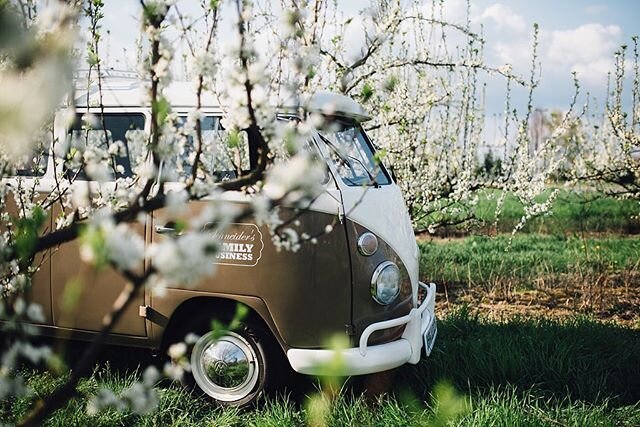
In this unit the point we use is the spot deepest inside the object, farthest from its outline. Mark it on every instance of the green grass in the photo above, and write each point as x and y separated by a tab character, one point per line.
575	358
509	408
575	372
572	212
525	259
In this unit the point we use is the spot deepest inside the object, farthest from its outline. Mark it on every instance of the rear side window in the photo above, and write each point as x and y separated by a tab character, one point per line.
108	133
35	162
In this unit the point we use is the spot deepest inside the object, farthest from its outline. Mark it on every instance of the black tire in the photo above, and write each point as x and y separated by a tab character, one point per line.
224	382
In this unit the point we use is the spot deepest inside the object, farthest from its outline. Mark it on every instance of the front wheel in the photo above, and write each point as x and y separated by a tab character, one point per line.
230	368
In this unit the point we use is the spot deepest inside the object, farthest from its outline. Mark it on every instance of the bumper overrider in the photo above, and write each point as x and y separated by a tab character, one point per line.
421	327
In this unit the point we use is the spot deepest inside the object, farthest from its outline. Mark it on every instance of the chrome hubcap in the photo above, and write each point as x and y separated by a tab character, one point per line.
226	367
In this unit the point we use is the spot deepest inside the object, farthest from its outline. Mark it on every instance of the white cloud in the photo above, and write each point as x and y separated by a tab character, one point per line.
596	9
587	49
516	53
453	11
595	72
504	18
583	44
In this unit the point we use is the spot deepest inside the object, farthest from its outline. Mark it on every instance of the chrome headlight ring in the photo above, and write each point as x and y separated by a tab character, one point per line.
385	283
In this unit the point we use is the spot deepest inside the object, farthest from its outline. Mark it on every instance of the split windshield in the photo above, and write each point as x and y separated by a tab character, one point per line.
353	154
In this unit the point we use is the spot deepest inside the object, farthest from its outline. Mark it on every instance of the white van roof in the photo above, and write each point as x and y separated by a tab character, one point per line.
126	90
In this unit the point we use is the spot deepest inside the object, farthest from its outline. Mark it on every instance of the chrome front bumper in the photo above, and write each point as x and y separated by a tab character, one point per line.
366	359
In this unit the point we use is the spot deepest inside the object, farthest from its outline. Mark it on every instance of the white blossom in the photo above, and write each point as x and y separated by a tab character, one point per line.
176	202
125	247
174	371
184	259
300	176
177	350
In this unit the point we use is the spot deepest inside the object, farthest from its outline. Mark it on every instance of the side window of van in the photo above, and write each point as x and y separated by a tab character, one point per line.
232	156
35	162
106	135
225	155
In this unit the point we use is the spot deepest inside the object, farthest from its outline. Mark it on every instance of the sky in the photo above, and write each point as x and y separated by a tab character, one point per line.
574	35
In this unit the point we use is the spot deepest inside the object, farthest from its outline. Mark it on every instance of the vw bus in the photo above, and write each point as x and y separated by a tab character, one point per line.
359	281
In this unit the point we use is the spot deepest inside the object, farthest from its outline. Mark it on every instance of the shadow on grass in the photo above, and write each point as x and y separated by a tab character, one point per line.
578	358
518	372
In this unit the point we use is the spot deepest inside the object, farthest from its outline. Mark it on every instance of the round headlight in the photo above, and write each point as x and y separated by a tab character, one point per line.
385	283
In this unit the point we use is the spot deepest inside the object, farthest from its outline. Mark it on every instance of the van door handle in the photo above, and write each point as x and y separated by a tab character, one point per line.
161	229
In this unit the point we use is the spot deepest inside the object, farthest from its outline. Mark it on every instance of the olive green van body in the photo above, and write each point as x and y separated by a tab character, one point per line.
305	297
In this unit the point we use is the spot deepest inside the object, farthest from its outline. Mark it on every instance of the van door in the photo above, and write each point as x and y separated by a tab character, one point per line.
82	296
40	291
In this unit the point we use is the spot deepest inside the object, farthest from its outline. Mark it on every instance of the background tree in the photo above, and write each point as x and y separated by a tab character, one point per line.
609	155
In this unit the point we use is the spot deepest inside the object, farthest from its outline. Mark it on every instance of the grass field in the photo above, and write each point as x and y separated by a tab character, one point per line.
572	212
575	372
526	258
535	273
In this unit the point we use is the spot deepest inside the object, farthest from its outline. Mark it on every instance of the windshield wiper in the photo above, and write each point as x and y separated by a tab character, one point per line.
345	160
372	179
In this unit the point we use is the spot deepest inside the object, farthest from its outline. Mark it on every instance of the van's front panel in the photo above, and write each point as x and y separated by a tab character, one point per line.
391	321
369	195
390	327
366	310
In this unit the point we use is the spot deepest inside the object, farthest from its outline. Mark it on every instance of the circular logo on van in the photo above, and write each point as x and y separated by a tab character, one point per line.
240	244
